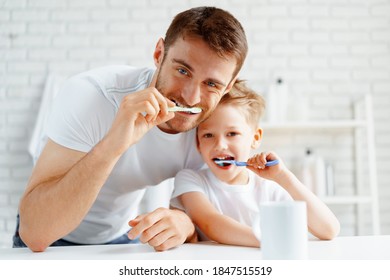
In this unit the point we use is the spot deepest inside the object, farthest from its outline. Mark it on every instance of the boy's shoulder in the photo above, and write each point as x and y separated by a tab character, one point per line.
192	172
193	175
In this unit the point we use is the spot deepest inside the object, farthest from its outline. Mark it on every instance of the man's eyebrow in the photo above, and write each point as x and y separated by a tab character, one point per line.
182	62
185	64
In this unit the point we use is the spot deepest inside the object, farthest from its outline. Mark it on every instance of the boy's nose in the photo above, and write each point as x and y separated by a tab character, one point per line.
220	144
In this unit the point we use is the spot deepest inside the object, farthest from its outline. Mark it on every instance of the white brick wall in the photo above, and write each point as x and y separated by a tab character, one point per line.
332	51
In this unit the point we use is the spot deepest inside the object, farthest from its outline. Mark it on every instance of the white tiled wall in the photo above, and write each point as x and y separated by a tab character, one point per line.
332	51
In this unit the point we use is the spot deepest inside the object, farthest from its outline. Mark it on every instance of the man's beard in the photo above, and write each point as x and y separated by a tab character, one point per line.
174	124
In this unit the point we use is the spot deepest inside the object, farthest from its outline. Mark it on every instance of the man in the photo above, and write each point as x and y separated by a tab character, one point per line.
111	136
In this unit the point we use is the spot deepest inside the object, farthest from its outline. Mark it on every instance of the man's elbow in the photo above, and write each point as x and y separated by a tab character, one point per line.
35	244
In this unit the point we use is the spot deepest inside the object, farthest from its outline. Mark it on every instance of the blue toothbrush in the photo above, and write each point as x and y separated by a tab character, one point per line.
221	162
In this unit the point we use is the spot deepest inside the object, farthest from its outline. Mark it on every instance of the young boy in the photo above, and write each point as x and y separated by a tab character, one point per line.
223	200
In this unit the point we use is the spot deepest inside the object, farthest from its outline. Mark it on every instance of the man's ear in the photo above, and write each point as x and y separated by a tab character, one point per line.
158	54
258	135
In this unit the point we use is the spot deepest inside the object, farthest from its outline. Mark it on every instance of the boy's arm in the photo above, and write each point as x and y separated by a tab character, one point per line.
322	222
215	226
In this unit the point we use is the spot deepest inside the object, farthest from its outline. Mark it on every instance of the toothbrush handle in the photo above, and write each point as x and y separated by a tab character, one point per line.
272	162
240	163
269	163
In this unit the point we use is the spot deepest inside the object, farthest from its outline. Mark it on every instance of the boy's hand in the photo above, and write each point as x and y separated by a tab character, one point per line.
257	165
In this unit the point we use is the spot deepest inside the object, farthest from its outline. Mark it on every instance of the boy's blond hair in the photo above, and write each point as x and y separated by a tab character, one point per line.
250	103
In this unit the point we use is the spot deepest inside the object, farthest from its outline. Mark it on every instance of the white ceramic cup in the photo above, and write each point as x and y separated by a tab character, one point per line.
284	234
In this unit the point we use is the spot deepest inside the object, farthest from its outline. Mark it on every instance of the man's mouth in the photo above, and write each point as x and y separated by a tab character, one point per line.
186	109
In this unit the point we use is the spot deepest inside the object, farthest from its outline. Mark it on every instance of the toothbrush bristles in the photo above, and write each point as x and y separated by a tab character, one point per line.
193	110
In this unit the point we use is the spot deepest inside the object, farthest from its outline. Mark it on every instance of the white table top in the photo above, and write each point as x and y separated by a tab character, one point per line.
347	248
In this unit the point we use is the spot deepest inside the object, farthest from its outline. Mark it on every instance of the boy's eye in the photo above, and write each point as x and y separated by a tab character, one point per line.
232	134
207	135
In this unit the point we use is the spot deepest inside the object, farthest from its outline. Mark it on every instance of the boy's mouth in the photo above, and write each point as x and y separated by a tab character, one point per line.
223	158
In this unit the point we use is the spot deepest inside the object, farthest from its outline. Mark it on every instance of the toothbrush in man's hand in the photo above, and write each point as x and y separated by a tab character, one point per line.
193	110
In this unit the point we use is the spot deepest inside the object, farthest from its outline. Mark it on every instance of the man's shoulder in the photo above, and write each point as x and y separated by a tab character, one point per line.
119	76
116	68
113	82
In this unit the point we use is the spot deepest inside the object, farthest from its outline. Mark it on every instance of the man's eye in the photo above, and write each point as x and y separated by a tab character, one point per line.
182	71
211	84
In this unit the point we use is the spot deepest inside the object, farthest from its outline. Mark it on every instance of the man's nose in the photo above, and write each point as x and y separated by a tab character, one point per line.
191	95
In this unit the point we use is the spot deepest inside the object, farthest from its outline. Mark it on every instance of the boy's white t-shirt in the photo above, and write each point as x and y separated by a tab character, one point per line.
82	114
240	202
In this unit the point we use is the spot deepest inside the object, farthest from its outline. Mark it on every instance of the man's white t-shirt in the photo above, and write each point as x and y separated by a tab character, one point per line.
240	202
82	114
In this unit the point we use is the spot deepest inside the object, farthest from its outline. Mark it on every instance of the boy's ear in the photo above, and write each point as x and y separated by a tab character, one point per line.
258	135
158	53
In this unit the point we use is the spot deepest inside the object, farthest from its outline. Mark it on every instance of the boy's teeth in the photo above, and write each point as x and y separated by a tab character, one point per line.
224	158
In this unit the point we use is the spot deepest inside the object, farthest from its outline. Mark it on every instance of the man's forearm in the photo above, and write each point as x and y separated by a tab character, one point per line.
53	208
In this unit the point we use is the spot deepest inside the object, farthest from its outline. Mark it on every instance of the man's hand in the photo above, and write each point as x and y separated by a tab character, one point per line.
163	228
137	114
